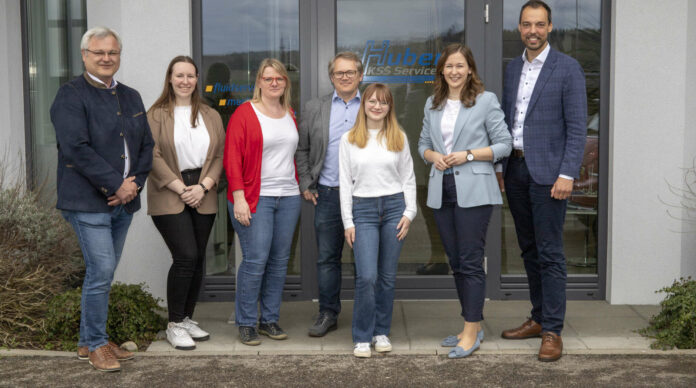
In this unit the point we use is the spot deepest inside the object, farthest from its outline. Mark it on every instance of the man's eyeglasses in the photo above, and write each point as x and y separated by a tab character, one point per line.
348	74
100	53
269	80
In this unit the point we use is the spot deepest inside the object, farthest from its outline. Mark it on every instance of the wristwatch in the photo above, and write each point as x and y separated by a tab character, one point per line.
469	156
205	189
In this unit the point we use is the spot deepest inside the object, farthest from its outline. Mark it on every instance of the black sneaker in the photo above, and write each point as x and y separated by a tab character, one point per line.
249	336
272	330
324	324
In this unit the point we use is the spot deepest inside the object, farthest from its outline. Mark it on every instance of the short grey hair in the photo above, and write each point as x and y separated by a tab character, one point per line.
99	32
348	55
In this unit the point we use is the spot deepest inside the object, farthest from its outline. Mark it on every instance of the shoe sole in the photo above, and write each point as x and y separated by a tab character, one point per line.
86	358
105	370
318	334
252	342
383	349
275	337
362	355
201	339
544	359
185	347
520	338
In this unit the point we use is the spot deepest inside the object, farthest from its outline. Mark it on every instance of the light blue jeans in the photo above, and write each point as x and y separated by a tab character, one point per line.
101	237
265	245
377	251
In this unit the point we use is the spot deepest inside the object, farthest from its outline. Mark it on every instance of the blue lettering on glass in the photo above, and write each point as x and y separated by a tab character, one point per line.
407	67
222	88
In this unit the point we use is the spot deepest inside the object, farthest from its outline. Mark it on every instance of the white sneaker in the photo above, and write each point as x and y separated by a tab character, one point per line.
194	331
362	350
179	337
382	343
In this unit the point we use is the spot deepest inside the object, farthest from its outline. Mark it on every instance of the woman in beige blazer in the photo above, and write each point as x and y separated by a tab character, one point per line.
186	166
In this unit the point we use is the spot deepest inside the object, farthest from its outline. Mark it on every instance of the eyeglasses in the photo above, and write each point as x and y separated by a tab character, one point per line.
348	74
269	80
103	53
373	102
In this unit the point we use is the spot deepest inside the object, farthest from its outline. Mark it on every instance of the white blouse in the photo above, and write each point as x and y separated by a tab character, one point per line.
449	118
278	156
191	143
374	171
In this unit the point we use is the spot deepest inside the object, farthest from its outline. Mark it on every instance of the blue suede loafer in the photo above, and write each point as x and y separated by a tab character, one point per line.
452	340
458	352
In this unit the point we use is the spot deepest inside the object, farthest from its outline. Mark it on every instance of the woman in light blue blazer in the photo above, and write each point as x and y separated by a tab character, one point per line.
464	133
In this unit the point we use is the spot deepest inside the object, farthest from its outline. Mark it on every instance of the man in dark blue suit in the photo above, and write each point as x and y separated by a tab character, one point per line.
545	105
104	156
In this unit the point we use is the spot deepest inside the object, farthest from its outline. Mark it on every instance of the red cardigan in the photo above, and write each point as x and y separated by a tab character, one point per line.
243	154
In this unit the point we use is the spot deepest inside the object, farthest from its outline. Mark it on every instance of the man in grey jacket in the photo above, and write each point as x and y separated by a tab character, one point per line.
324	121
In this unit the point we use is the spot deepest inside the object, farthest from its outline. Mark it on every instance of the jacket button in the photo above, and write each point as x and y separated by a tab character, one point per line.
456	173
104	190
121	134
123	156
114	93
118	113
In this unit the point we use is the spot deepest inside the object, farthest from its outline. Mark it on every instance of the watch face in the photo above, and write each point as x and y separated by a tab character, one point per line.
470	157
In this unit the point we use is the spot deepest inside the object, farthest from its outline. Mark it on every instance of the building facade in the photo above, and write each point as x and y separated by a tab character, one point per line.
625	236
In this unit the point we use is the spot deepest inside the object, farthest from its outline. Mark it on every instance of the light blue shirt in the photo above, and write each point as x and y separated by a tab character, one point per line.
342	119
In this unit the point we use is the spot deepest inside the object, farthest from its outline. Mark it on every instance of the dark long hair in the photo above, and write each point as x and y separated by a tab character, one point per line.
167	100
472	87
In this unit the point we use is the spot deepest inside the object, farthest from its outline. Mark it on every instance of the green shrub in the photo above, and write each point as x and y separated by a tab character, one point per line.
133	316
675	325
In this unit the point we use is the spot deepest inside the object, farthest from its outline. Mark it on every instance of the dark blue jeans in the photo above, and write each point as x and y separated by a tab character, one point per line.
328	226
539	225
265	244
101	237
463	233
377	253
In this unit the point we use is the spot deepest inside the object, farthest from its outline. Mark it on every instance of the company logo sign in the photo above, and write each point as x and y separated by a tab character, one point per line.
383	65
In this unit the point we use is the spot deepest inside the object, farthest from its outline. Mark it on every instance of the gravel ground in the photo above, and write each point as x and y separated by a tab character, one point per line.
346	371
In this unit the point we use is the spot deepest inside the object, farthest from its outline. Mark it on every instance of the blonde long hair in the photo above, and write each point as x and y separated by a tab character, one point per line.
390	133
280	68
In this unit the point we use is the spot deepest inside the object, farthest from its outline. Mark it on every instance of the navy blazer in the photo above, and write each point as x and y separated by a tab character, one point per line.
555	124
91	123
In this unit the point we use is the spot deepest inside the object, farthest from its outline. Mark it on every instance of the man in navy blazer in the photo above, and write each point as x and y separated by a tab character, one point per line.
545	105
104	156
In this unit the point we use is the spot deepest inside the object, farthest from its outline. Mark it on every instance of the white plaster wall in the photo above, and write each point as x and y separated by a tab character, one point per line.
12	147
648	147
153	32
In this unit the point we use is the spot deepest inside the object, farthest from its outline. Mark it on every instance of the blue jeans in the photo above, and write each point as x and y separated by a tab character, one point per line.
265	244
328	225
539	225
377	251
101	237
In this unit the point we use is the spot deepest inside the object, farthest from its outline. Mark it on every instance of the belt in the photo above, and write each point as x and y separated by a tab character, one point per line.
328	187
517	153
191	171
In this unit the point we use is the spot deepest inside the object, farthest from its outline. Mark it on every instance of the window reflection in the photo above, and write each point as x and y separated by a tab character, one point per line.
576	32
236	37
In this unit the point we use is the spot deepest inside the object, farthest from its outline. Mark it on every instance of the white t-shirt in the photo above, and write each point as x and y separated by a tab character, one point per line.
278	156
374	171
449	118
191	143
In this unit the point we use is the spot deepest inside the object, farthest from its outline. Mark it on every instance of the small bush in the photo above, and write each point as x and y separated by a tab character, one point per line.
675	325
133	316
39	258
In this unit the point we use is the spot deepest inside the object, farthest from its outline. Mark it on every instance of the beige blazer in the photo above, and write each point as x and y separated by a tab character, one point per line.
165	166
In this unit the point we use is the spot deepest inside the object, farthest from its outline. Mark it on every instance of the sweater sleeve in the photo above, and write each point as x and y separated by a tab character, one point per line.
345	178
234	151
408	180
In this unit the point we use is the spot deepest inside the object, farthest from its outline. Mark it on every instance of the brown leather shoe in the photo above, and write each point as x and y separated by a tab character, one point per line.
551	347
83	353
528	329
103	359
121	354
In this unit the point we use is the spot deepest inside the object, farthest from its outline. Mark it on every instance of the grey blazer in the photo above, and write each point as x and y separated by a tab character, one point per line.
314	139
480	126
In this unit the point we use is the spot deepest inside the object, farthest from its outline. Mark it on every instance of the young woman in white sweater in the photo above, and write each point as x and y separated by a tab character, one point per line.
378	203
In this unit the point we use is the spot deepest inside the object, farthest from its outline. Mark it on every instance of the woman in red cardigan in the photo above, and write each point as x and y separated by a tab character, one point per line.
263	199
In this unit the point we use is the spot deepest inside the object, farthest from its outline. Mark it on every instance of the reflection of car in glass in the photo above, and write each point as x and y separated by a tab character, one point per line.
584	196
